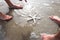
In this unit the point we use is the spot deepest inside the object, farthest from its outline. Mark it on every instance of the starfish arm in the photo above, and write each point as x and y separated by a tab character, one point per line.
35	15
38	18
30	16
34	20
29	19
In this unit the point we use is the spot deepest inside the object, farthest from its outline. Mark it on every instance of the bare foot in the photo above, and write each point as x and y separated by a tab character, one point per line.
6	17
55	19
45	36
16	7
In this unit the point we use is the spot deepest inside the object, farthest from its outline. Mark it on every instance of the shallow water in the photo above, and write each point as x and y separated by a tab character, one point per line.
19	28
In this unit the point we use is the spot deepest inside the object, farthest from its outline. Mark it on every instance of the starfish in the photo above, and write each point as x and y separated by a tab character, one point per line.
33	17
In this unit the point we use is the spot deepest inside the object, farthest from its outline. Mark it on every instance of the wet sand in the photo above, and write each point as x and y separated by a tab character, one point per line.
19	29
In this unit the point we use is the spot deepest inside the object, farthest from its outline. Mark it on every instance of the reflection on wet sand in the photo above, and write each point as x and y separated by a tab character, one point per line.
15	32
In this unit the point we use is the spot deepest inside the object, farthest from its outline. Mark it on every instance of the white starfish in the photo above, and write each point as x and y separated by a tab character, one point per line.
33	17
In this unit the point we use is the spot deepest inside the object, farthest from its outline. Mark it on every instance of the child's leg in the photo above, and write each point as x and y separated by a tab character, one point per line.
5	17
12	5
